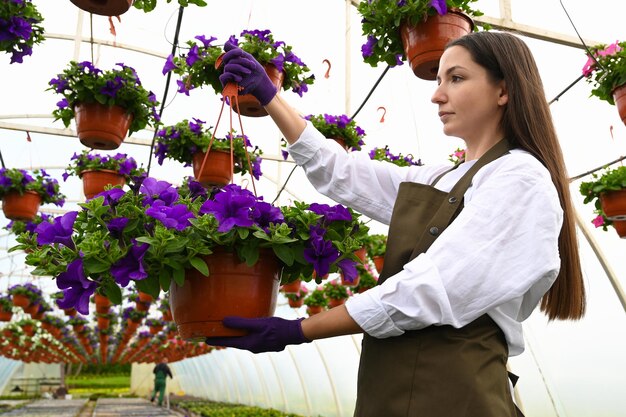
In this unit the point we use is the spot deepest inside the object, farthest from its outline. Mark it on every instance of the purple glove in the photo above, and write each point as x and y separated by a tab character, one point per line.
268	334
240	67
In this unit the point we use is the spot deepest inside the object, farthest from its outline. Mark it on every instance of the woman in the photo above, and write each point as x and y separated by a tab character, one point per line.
471	250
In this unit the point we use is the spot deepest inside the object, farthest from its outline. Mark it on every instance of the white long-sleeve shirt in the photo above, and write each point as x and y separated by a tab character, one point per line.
498	257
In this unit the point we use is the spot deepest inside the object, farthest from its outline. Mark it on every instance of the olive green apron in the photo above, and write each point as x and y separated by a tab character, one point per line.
438	371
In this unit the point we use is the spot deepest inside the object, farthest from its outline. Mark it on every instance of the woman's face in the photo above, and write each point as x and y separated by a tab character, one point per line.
470	103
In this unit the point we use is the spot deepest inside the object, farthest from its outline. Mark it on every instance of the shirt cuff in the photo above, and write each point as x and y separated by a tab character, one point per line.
307	145
369	313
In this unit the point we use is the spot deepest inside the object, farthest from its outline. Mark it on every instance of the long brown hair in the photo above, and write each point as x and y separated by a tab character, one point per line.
527	123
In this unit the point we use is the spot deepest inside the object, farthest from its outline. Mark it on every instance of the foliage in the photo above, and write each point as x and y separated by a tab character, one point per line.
339	126
164	305
216	409
383	154
27	226
196	68
366	278
335	290
20	28
182	140
86	160
84	83
29	290
149	5
5	303
611	180
155	232
316	298
607	71
97	380
19	180
376	245
381	20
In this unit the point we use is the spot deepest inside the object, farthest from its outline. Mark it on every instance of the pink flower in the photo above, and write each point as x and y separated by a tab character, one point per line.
598	221
589	66
612	49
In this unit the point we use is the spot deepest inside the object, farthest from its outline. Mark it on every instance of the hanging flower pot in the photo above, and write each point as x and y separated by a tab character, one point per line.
167	315
614	204
295	303
379	261
361	254
102	304
18	206
20	300
348	283
101	127
619	96
5	315
292	287
233	288
94	181
313	310
104	7
620	228
424	43
336	302
249	105
217	169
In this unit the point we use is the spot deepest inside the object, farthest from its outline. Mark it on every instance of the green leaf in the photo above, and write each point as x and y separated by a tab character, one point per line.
95	266
164	279
284	254
113	292
200	265
179	276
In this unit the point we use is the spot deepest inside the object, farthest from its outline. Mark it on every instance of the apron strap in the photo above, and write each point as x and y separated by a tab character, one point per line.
446	211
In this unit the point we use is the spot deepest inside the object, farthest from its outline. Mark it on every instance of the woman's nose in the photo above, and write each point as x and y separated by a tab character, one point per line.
438	96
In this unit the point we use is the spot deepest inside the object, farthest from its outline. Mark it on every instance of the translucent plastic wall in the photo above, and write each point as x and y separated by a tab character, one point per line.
569	369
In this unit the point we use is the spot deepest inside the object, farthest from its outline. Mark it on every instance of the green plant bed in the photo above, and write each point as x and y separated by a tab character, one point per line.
216	409
98	382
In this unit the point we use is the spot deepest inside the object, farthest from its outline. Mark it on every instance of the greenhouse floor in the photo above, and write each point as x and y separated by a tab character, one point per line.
103	407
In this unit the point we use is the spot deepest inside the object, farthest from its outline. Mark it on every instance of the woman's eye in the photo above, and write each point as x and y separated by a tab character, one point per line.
455	78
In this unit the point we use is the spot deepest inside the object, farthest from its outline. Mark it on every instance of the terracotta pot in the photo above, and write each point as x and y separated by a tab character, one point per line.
104	7
291	287
341	142
379	261
361	254
620	228
232	289
144	297
295	303
335	302
20	300
619	96
217	170
102	304
94	181
167	316
28	329
32	309
614	204
155	329
313	310
249	105
70	312
139	306
424	44
363	289
18	206
5	315
78	328
103	323
101	127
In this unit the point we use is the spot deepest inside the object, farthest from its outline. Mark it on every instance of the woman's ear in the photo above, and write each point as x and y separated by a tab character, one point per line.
503	97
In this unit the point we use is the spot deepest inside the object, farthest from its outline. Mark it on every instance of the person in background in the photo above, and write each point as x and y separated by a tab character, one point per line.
472	250
161	371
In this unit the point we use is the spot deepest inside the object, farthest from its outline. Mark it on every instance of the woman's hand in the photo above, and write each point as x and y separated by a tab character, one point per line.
240	67
268	334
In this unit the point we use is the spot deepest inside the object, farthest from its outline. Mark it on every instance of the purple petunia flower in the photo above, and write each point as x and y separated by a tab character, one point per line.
321	253
440	6
264	214
158	190
174	217
348	267
206	42
116	226
59	231
192	56
368	48
131	266
76	287
231	207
